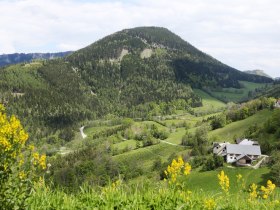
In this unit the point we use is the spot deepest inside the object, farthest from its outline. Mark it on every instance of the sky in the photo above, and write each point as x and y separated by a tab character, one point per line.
244	34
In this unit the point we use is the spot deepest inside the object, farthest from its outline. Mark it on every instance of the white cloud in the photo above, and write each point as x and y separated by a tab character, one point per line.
243	34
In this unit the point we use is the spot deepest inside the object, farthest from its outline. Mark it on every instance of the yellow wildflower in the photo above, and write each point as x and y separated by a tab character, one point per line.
253	191
240	182
42	162
116	184
176	168
187	169
31	147
5	166
239	177
5	144
209	204
36	158
21	162
22	175
112	188
268	190
223	181
185	195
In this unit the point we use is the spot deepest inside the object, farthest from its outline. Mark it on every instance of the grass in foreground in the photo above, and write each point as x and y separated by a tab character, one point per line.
227	192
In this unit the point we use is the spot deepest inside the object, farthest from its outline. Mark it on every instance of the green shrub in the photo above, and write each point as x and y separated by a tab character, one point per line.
19	164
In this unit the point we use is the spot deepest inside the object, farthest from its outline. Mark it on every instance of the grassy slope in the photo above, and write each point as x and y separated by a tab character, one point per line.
209	102
146	156
176	137
208	181
235	95
131	144
236	129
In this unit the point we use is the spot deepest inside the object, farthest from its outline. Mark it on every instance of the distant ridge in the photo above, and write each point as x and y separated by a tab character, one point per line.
258	72
8	59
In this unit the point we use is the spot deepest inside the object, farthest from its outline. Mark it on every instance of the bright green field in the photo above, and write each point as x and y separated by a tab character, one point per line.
236	129
210	104
131	144
234	94
176	137
208	181
89	131
146	156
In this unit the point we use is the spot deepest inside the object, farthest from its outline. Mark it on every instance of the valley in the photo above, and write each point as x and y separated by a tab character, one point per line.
130	121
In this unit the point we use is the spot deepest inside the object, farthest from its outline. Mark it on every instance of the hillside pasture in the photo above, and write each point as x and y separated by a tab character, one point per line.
236	129
237	95
208	181
210	104
146	156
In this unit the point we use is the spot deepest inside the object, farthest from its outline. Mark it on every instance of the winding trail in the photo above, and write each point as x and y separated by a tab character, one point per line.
82	132
166	142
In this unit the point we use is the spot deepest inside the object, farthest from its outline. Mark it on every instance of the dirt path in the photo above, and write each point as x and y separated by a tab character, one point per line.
166	142
82	132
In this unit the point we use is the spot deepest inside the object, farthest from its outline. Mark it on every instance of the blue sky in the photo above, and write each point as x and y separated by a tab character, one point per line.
242	34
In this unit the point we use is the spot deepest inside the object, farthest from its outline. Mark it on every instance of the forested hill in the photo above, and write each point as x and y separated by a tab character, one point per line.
180	60
8	59
126	74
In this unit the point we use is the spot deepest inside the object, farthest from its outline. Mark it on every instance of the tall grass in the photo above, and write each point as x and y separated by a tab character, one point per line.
151	195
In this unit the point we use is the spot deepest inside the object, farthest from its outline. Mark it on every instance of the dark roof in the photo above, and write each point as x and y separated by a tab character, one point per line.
243	149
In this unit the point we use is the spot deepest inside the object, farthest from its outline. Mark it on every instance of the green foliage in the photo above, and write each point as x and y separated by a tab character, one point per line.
67	134
249	108
19	165
247	91
218	121
268	133
235	130
275	173
45	95
111	77
91	165
274	91
198	141
213	162
150	195
159	134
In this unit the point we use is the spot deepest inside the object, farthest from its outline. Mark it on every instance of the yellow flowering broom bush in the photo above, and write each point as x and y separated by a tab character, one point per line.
268	190
224	181
177	168
19	164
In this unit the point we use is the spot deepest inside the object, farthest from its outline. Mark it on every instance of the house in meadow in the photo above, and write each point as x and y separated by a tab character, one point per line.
244	153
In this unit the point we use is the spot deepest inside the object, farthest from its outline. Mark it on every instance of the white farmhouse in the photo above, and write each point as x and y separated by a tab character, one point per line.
243	153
